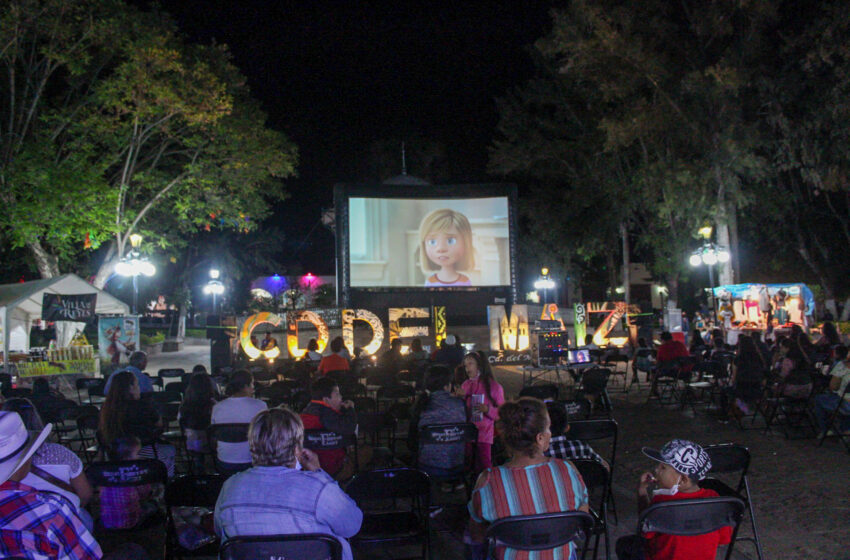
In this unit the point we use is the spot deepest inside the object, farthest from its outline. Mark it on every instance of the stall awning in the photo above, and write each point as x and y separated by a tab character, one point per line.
21	305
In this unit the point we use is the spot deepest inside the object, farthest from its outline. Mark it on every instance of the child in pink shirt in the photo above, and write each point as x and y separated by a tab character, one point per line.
483	397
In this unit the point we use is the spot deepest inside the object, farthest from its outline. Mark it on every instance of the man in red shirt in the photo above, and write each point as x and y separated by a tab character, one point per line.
669	351
334	361
681	465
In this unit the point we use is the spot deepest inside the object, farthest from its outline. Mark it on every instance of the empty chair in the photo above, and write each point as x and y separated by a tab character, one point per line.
171	373
85	383
731	458
594	387
395	508
594	430
544	531
311	546
597	479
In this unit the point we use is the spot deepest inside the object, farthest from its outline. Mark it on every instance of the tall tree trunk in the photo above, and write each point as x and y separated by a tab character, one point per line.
672	291
612	274
732	216
47	263
106	268
627	281
726	274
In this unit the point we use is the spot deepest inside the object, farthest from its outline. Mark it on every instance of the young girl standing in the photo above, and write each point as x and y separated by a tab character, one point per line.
445	246
483	397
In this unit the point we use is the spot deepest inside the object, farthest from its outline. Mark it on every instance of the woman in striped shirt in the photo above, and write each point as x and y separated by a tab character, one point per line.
529	483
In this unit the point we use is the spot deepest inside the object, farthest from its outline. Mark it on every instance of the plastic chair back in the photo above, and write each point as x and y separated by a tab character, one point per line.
171	372
576	409
588	430
228	433
595	380
385	484
539	532
323	440
310	546
728	458
194	490
691	517
127	473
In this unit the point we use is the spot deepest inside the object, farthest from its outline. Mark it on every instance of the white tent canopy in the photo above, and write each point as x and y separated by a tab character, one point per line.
20	305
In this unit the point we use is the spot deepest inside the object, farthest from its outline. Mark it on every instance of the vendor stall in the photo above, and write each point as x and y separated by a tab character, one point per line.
764	306
67	297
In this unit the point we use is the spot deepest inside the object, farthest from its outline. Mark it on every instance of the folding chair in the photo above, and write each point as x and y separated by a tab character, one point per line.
392	394
598	482
167	374
87	425
791	413
84	383
613	361
594	430
733	458
703	378
323	441
190	491
395	508
309	546
137	472
643	362
833	423
97	392
228	433
458	434
576	409
545	531
693	517
545	392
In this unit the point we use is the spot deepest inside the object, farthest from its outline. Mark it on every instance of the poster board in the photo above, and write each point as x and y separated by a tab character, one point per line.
118	337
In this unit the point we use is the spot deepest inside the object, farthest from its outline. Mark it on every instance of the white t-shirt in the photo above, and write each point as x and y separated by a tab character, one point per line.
59	461
842	371
235	410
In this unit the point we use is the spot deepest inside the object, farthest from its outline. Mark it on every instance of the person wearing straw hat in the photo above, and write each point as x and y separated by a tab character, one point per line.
35	524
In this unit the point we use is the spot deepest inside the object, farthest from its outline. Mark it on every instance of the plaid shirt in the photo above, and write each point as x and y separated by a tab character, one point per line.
568	449
121	506
42	525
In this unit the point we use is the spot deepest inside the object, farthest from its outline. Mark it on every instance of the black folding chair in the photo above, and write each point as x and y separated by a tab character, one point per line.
137	472
545	531
84	383
693	517
395	508
545	392
576	409
790	413
834	422
190	491
228	433
309	546
171	373
87	425
458	434
592	430
326	440
729	458
597	479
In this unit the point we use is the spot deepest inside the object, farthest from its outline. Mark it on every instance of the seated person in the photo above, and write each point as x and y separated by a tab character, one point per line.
125	507
268	342
392	361
312	354
334	361
138	363
668	353
195	416
826	403
416	352
239	408
793	371
437	406
286	491
46	401
681	465
36	524
524	426
327	411
55	468
451	353
567	449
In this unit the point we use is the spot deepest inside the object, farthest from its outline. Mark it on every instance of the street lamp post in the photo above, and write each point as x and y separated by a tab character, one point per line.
134	264
214	286
544	283
709	255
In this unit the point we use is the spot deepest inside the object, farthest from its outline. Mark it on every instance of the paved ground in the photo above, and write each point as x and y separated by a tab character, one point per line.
799	490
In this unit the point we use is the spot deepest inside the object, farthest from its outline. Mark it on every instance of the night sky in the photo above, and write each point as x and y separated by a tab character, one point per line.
336	76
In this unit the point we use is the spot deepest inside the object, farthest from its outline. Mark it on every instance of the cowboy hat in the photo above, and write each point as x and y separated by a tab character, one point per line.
16	443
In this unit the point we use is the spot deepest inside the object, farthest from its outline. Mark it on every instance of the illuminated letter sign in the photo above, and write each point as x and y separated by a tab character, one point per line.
348	318
439	324
398	313
508	333
292	319
580	323
248	327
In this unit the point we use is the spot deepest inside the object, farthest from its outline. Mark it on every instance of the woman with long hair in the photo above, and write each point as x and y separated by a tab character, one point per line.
793	369
124	413
483	396
524	426
749	370
195	415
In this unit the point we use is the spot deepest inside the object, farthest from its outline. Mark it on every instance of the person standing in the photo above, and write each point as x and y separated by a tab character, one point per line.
483	396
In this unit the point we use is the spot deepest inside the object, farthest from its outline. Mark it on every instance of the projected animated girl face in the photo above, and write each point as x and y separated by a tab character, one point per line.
445	247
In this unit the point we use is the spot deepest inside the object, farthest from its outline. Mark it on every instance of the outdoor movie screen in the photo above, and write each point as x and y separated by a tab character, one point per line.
429	243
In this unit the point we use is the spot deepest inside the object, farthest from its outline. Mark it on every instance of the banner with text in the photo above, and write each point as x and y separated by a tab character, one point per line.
76	307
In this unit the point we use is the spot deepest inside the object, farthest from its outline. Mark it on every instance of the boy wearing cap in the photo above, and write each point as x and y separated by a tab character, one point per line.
35	524
681	465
